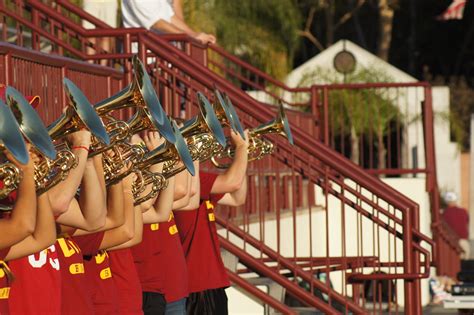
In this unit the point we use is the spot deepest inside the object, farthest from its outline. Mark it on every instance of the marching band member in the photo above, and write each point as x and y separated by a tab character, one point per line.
121	260
159	258
88	243
41	272
118	229
207	275
29	227
87	212
121	263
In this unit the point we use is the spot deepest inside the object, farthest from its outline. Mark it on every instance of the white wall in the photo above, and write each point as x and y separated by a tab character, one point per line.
448	157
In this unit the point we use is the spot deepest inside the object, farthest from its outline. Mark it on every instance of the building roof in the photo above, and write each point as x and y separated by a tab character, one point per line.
364	58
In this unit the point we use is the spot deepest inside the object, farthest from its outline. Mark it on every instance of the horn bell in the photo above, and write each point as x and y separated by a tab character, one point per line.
225	110
237	122
211	120
30	123
183	151
279	125
143	82
143	120
141	95
79	114
170	153
10	136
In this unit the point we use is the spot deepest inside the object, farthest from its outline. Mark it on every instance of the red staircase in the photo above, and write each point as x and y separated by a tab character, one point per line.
310	212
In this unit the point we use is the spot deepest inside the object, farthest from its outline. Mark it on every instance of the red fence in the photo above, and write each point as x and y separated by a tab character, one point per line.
40	74
343	222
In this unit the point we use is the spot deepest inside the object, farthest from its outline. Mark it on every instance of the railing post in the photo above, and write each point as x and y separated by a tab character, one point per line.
127	63
315	112
63	92
430	161
325	120
142	50
34	36
198	53
60	33
8	69
415	214
408	268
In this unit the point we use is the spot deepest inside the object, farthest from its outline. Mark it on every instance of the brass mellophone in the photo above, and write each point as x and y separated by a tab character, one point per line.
199	139
11	141
258	146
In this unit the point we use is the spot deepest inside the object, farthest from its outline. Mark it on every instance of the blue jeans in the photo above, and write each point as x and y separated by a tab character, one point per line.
176	308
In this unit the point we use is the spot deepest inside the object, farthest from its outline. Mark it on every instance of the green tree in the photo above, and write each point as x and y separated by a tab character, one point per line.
365	111
261	32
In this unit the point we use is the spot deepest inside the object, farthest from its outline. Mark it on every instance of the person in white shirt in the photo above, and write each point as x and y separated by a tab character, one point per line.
106	11
161	16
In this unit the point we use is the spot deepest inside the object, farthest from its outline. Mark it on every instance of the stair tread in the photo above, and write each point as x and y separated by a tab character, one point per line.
261	281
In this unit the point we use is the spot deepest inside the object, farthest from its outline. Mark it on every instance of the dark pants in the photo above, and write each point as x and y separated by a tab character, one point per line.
208	302
176	308
153	303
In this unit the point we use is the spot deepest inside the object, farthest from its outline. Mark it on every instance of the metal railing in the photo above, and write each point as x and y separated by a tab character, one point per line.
376	125
41	74
345	224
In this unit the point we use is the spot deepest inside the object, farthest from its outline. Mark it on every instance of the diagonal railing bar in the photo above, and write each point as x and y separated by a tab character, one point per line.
259	294
309	299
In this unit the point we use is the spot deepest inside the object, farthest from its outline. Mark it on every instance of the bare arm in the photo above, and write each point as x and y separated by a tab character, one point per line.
92	198
178	9
184	27
161	210
236	198
178	26
92	210
182	190
99	168
138	231
231	180
152	140
115	210
166	27
23	217
126	232
44	234
62	194
114	198
179	23
194	195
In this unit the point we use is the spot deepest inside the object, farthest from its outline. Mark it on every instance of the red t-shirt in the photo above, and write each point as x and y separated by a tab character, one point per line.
4	282
75	297
127	281
458	219
160	263
37	285
198	234
100	285
148	262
